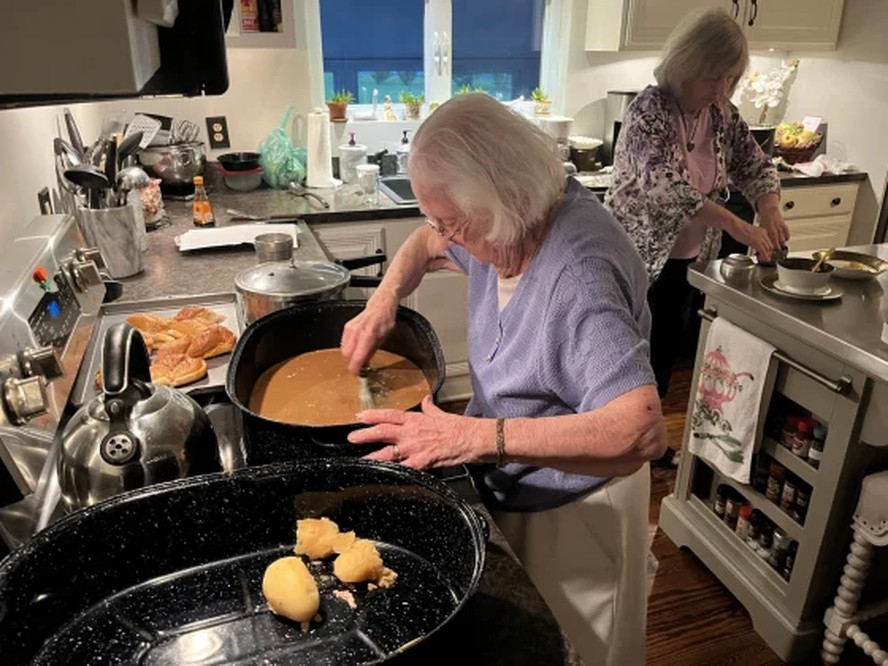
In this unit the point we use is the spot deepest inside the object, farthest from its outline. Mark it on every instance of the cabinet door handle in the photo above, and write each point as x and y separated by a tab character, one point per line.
842	385
789	205
736	4
835	202
755	12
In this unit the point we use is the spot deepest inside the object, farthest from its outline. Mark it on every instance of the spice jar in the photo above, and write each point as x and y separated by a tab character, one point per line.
721	496
788	496
743	519
779	549
801	441
764	540
732	510
752	532
787	433
818	439
790	560
776	474
802	499
760	476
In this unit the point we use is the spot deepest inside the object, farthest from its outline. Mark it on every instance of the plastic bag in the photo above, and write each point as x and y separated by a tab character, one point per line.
282	162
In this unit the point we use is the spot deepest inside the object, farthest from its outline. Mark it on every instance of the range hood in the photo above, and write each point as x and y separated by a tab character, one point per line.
78	50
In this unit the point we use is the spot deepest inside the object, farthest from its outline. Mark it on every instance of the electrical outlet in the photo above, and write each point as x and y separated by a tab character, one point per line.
217	131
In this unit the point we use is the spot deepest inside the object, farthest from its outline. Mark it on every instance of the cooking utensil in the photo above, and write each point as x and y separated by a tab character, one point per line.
823	256
90	179
129	146
111	165
74	133
175	165
273	339
184	131
300	191
62	147
367	387
273	247
128	179
144	125
236	215
133	434
267	288
181	579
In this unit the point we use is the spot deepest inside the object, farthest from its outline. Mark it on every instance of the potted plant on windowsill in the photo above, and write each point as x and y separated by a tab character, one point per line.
412	104
338	105
541	102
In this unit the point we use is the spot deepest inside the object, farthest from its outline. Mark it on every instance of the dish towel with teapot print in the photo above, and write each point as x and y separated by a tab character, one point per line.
734	387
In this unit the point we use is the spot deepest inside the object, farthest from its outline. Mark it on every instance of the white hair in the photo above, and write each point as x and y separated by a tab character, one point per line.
705	44
490	163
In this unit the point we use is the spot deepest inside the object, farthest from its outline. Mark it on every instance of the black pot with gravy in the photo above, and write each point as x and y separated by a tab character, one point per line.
310	327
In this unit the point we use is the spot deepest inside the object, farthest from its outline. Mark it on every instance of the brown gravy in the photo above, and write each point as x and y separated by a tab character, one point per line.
316	389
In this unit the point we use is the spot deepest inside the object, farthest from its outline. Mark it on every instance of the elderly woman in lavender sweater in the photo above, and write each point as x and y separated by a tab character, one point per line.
565	414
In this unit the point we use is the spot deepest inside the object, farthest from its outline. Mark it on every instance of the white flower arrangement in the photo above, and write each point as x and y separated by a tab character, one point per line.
765	91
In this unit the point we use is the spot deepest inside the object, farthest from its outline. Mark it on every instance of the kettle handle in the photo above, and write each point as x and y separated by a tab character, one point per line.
124	358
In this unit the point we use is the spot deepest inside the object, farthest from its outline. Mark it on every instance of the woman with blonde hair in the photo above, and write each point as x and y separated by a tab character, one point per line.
681	144
564	415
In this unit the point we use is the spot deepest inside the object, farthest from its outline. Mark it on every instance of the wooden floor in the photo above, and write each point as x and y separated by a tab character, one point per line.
692	618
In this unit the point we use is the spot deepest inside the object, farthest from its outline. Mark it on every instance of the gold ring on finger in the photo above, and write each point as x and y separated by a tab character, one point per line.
396	453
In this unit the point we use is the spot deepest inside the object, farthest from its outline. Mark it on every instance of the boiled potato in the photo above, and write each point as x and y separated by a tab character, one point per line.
359	563
290	589
318	538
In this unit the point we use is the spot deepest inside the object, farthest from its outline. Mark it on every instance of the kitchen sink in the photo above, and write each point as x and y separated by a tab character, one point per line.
397	188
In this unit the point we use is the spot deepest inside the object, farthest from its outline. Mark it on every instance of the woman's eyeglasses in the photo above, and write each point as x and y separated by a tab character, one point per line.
443	232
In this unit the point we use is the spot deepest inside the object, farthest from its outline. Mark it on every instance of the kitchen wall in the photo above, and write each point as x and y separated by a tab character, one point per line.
263	82
848	87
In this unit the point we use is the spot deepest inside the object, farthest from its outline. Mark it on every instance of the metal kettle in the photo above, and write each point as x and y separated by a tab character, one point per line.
134	433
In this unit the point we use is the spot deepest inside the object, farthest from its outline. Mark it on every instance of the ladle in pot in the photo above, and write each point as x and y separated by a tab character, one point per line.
823	257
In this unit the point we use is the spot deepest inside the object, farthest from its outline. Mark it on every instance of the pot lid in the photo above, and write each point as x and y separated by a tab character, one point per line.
283	278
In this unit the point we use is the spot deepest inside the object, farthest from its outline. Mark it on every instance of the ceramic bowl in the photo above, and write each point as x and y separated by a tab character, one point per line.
794	274
243	181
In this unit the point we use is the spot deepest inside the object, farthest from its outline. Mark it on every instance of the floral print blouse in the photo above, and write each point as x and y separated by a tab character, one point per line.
651	194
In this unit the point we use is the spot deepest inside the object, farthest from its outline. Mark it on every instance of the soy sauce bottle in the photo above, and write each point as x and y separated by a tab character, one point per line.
202	211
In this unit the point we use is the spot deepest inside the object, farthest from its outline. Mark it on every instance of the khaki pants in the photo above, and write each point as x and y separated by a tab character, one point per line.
589	561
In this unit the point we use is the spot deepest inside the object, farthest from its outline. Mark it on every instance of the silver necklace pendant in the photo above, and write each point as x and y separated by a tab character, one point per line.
690	146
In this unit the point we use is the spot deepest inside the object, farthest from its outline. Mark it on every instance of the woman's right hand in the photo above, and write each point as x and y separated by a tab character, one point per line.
756	238
363	334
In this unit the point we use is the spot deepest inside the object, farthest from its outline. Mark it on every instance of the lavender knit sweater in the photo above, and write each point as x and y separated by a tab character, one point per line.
572	338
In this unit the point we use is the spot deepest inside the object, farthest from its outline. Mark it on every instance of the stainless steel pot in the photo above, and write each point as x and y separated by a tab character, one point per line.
273	286
177	164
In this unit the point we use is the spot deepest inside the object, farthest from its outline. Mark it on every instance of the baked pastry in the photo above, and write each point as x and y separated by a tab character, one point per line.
174	370
147	322
199	313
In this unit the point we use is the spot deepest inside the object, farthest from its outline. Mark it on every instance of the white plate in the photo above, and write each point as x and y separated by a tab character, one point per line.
769	284
236	234
823	291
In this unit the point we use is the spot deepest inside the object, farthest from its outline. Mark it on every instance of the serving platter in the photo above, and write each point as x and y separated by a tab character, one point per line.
853	265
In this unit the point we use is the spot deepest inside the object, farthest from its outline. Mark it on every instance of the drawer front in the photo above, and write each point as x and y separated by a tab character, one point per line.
818	201
818	233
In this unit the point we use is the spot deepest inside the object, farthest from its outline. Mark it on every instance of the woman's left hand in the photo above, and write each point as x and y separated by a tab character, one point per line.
771	221
430	438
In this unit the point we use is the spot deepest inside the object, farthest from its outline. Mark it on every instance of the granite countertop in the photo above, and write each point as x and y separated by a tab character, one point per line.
599	182
507	622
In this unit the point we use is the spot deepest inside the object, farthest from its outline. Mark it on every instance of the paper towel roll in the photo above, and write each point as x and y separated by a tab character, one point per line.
320	161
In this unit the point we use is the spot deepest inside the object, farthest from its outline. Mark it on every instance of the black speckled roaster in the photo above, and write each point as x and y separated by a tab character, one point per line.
172	573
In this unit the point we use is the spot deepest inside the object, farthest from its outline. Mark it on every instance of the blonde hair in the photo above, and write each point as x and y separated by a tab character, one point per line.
706	44
490	163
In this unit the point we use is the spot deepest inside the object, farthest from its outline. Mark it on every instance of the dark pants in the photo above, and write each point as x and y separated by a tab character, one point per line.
670	299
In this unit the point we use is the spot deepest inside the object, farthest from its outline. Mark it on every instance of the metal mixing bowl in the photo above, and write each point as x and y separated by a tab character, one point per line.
177	164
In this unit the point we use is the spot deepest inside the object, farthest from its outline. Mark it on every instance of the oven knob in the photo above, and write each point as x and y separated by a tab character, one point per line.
90	254
43	361
24	398
85	274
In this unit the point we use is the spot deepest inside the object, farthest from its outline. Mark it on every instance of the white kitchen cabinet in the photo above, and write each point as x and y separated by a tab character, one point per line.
818	216
613	25
441	297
